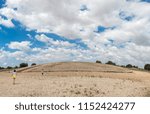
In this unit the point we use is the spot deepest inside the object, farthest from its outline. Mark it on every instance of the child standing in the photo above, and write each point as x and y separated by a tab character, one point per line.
14	76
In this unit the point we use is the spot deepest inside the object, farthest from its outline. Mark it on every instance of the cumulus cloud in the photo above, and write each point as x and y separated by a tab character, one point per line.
63	17
66	19
6	22
51	42
11	58
123	44
23	46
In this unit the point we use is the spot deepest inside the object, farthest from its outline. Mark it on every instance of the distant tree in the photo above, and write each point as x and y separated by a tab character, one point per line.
23	65
111	63
123	66
98	61
9	67
135	66
129	66
147	67
16	67
2	68
33	64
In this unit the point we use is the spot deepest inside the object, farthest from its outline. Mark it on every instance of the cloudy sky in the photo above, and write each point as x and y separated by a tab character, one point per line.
44	31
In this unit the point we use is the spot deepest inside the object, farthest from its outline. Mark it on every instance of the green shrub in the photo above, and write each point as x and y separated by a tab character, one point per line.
9	67
129	66
98	61
2	68
23	65
33	64
147	67
111	63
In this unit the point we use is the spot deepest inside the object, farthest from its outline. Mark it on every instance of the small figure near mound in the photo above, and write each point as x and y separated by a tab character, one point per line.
42	72
14	74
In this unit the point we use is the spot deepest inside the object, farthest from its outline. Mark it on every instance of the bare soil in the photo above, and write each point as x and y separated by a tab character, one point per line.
75	79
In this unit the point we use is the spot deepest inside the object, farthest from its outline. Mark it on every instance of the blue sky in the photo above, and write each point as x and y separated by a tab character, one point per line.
146	1
2	2
80	31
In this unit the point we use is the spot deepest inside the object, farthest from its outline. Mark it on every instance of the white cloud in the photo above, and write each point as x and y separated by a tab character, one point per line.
11	58
51	42
132	54
6	22
64	18
67	20
42	38
23	46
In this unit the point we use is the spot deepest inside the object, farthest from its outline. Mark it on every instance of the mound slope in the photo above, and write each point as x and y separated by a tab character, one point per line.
75	67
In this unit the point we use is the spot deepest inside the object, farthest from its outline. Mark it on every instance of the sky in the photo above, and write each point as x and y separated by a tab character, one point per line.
43	31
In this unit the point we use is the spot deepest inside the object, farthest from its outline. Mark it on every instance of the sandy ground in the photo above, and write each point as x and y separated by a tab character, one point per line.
76	84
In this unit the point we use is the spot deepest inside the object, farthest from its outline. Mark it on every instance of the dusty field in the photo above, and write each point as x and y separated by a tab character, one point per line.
76	80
